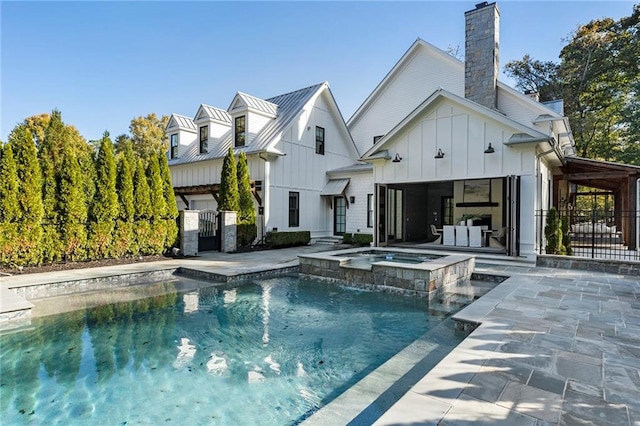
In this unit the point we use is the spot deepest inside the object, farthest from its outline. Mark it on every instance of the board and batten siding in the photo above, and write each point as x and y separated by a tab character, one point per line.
424	72
302	170
463	135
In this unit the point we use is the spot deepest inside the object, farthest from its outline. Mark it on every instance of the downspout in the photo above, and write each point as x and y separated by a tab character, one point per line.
266	188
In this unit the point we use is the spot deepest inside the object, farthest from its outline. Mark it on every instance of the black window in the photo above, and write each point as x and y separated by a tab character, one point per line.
369	210
204	139
241	127
377	138
294	209
174	146
319	140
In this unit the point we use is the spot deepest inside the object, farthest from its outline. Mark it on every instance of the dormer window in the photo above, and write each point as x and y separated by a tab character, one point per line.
240	130
204	139
319	140
174	146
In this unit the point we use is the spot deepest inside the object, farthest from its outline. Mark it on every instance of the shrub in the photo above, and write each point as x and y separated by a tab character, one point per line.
347	238
362	239
246	233
553	233
566	239
287	239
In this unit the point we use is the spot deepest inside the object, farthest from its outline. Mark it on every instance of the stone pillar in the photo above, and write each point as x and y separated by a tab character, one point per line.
189	227
228	231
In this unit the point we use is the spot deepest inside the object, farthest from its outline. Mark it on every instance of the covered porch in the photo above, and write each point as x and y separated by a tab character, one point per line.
472	215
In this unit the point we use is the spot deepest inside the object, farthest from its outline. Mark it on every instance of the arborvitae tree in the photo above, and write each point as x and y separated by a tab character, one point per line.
29	196
72	207
553	233
170	200
143	210
246	231
247	211
566	238
51	241
9	212
104	208
158	206
228	194
125	241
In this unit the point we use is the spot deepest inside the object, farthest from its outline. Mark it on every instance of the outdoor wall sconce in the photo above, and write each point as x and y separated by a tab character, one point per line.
440	154
489	149
397	158
352	199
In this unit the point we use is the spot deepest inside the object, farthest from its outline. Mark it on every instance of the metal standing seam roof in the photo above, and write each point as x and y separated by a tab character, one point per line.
289	105
183	122
257	104
217	113
335	187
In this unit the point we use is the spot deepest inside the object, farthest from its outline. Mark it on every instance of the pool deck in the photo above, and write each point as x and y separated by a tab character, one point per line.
553	347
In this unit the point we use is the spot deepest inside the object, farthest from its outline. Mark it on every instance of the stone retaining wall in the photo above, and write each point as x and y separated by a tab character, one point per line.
429	280
619	267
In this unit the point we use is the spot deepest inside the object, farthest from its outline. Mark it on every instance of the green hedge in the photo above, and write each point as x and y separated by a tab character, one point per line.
287	239
246	234
357	239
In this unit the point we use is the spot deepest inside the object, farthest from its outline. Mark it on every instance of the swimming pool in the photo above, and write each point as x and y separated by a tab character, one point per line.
271	351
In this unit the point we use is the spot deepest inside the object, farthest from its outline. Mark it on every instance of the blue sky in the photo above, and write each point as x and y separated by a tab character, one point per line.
103	63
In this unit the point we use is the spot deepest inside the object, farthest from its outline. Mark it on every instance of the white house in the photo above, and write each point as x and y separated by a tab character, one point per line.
437	139
290	140
445	138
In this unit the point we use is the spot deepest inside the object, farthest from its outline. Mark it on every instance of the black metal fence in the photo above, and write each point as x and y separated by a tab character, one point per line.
596	234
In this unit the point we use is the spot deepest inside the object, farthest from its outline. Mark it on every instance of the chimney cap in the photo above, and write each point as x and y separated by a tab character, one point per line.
481	5
529	92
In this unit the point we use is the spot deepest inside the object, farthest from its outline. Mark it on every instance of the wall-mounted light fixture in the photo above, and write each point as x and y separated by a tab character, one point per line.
440	154
489	149
352	199
397	158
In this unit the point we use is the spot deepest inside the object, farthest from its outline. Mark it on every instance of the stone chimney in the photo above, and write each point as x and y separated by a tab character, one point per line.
481	67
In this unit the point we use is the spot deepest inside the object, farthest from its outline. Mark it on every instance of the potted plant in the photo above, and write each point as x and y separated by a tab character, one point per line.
468	218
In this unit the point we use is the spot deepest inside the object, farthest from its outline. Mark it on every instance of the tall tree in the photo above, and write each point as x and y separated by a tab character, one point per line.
29	196
228	194
599	74
104	208
51	242
158	206
147	134
72	207
537	76
125	241
170	200
9	212
143	209
247	211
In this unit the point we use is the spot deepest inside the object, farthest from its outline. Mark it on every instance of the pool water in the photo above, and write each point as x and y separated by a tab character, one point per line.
270	351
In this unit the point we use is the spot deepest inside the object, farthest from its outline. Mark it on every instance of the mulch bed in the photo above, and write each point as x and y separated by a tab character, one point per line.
65	266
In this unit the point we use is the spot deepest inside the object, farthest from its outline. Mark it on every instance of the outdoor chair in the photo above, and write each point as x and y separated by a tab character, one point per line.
499	239
475	236
462	236
448	235
436	233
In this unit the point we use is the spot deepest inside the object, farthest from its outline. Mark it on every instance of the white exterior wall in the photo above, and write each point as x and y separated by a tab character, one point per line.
302	170
185	138
463	135
423	74
360	184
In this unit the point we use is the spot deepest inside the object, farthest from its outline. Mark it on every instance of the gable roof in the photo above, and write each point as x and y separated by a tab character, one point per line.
444	94
457	64
181	122
289	106
242	100
213	113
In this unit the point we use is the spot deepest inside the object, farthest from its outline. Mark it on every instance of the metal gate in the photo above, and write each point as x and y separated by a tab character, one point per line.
208	231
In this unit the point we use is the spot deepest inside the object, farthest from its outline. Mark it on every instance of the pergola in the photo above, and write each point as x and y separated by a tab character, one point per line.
213	189
621	180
